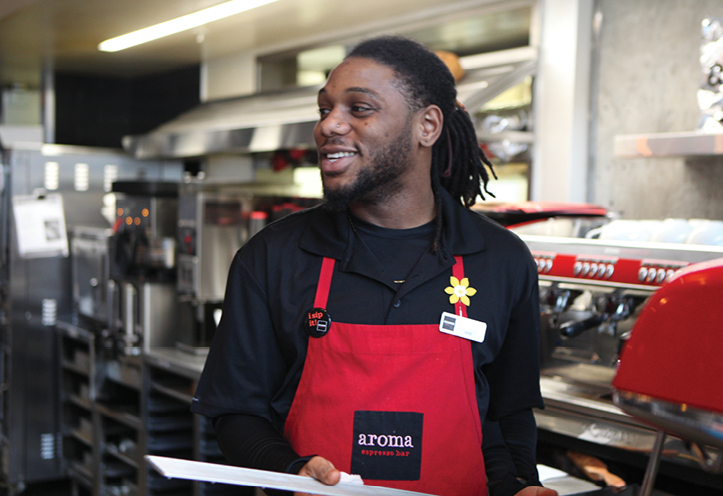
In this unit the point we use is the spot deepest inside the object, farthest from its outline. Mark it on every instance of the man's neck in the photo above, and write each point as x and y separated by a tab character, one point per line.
402	211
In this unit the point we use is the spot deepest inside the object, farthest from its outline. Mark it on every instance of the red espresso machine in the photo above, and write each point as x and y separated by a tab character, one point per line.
670	374
631	336
593	293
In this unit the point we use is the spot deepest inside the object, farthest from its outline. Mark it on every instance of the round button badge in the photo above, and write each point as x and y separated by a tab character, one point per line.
317	322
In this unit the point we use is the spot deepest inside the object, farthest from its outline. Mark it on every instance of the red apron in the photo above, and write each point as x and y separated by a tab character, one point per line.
395	404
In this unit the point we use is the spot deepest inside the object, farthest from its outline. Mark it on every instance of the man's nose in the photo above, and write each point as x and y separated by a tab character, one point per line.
334	124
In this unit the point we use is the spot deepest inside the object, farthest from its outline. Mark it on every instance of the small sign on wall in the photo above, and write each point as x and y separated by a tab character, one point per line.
40	226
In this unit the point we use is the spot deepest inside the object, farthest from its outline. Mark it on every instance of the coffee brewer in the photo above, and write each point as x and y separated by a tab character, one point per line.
144	301
214	221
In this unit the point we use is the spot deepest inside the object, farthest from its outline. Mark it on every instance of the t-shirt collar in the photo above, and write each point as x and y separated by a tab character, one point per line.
329	233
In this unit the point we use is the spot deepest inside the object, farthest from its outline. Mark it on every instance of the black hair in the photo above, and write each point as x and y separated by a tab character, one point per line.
458	162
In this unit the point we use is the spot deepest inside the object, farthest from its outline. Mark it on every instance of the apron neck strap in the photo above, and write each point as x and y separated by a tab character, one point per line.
324	285
458	272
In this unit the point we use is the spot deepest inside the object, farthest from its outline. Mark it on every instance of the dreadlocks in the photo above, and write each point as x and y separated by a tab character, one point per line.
458	162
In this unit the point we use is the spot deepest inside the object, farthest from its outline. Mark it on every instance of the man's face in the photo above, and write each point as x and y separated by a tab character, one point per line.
364	134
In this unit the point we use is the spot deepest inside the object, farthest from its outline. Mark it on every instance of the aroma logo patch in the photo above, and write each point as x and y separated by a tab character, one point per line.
387	445
385	440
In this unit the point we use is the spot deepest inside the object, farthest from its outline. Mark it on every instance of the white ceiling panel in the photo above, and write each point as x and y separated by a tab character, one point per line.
66	33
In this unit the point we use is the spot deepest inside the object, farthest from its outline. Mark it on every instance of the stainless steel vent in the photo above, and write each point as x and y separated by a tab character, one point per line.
277	121
49	312
257	123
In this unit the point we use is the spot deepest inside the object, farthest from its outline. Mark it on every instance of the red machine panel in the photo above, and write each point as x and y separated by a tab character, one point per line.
674	352
617	270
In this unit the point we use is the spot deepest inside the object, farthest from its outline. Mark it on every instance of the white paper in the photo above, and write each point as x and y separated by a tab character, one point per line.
350	478
40	226
548	473
175	468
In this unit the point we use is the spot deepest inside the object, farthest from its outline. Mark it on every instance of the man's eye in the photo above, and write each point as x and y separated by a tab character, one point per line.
360	108
323	111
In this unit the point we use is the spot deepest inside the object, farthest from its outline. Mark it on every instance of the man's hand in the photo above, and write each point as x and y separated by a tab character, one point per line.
536	491
323	470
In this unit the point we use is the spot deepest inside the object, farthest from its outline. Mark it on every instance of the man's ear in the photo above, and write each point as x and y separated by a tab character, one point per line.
429	127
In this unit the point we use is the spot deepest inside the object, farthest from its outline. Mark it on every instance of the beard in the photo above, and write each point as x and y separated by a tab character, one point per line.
379	180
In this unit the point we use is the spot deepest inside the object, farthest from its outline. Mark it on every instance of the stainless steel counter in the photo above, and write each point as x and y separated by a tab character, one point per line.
183	363
594	419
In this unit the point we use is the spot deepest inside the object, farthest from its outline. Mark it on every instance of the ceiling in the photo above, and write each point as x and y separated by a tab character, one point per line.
65	33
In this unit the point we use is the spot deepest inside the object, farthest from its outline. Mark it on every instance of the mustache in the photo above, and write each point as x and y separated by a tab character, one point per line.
336	141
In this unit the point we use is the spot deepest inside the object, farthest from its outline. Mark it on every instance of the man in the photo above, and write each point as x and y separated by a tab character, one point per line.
377	333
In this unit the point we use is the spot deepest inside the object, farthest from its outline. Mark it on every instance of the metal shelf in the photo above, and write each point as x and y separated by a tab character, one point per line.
513	136
83	437
172	392
668	145
81	473
79	401
125	414
83	370
114	451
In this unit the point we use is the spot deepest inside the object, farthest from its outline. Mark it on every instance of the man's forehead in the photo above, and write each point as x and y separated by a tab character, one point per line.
355	89
362	75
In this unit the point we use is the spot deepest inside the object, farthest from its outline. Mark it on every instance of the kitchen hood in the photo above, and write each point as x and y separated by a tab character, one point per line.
250	124
284	120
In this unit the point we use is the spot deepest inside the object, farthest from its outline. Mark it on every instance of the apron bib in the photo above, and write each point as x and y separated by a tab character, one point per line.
395	404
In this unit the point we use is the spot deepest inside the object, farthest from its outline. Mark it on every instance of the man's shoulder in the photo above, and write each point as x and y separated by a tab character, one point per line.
470	231
493	230
285	231
293	223
284	237
505	253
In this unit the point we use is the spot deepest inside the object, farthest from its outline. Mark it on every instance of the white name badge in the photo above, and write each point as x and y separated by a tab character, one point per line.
462	327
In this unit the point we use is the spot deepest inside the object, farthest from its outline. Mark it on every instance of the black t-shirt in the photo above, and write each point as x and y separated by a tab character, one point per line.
396	251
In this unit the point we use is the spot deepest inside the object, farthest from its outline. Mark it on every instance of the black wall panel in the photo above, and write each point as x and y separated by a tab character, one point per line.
99	111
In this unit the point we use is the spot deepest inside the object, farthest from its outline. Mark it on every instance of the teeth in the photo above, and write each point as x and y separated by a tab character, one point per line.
334	156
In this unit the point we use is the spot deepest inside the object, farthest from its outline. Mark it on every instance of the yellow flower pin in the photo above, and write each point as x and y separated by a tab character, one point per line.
459	290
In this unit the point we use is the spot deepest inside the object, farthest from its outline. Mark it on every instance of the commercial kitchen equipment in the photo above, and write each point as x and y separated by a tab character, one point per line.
214	220
36	292
282	120
592	293
212	226
143	265
90	261
671	373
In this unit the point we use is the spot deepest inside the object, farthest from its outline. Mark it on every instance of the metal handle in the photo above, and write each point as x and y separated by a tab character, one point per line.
651	472
131	303
573	328
113	304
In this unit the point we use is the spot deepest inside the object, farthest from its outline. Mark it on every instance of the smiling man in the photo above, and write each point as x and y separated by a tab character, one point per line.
361	162
391	332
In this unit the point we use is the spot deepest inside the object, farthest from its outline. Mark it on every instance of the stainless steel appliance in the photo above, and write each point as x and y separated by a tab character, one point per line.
37	292
214	221
90	256
212	226
142	267
591	295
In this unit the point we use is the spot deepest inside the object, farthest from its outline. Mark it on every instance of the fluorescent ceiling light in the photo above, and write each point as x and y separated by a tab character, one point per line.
179	24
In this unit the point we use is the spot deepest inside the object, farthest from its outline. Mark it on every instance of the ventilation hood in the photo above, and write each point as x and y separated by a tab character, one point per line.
256	123
284	120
